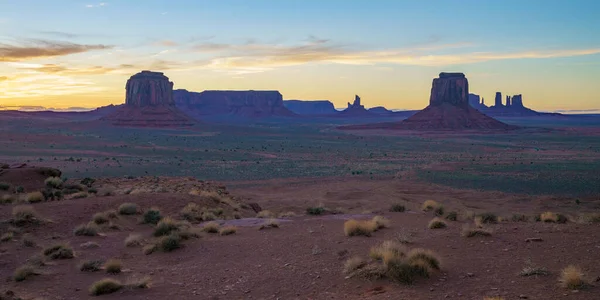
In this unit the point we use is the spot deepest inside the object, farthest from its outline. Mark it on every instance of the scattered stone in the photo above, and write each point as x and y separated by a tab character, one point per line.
536	239
523	297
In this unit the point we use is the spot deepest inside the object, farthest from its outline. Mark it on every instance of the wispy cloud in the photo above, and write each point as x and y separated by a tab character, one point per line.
62	70
60	34
37	85
101	4
34	49
166	43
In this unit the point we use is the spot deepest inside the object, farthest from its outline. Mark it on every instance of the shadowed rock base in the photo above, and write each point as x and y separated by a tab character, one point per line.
150	116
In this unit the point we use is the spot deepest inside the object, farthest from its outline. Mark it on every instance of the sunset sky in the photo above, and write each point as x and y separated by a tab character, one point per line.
70	53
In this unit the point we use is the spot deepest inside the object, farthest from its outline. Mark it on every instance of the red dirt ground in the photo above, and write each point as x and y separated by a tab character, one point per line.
304	257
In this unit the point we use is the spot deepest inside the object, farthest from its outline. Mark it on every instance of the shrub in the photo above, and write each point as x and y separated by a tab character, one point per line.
28	240
111	214
113	266
488	218
439	211
286	215
169	243
24	272
353	264
100	218
208	216
152	216
430	205
59	251
7	199
4	186
133	240
19	189
519	218
128	209
397	208
428	256
90	265
472	232
590	218
89	229
271	223
105	286
571	278
381	222
437	223
7	237
228	230
265	214
315	211
192	212
211	227
149	249
34	197
24	215
165	227
88	181
387	248
359	227
550	217
53	182
452	216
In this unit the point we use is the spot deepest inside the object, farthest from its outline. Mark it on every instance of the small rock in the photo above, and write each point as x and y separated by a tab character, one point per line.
470	275
523	297
536	239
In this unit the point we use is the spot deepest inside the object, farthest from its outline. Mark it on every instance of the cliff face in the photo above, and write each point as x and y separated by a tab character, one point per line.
310	107
242	103
149	89
450	88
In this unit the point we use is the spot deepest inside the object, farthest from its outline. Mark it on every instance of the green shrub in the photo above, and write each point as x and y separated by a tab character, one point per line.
165	227
24	272
4	186
315	211
88	181
105	286
452	216
59	251
90	265
169	243
128	209
53	182
152	216
89	229
488	218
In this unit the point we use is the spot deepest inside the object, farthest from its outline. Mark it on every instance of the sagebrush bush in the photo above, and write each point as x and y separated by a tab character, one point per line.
5	186
100	218
227	230
315	211
354	227
24	272
105	286
133	240
169	243
211	227
192	212
452	216
128	209
430	205
397	208
437	223
152	216
551	217
285	215
24	215
265	214
89	229
166	226
113	266
59	251
488	218
90	265
468	231
34	197
381	222
53	182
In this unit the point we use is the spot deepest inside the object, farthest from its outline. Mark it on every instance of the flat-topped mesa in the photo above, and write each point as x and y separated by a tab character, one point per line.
148	88
450	88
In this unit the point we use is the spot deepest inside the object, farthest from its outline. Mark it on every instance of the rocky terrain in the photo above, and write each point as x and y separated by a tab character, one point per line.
148	103
448	109
312	107
512	107
356	109
250	104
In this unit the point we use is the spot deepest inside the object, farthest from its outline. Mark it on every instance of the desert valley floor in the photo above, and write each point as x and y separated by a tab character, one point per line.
533	193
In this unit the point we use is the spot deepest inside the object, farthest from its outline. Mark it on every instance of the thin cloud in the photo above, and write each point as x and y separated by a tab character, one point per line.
166	43
34	49
61	70
39	85
101	4
60	34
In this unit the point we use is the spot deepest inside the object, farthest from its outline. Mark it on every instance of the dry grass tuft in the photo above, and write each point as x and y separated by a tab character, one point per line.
128	209
551	217
589	218
353	264
28	240
468	231
89	229
53	182
113	266
271	223
100	218
152	216
169	243
437	223
354	227
211	227
89	245
265	214
429	205
285	215
387	248
149	249
228	230
133	240
192	212
59	251
105	286
571	278
7	237
23	215
381	222
24	272
34	197
90	265
166	226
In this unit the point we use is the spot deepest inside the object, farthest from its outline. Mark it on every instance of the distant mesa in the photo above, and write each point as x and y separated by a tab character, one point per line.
250	104
512	106
448	109
312	107
148	103
380	110
356	109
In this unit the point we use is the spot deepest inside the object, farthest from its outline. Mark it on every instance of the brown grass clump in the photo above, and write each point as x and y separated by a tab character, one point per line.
265	214
192	212
571	278
128	209
34	197
133	240
7	237
551	217
354	227
53	182
166	226
105	286
590	218
437	223
149	249
387	248
468	231
90	265
228	230
211	227
271	223
381	222
23	215
59	251
100	218
285	215
24	272
113	266
89	229
168	243
430	205
353	264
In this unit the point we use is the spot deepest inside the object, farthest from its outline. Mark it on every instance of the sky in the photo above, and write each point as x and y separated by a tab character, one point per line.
68	53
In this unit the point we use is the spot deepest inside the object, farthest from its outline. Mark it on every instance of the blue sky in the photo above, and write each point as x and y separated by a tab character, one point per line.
79	53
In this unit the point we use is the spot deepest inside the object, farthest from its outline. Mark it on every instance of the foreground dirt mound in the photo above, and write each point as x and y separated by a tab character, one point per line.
29	178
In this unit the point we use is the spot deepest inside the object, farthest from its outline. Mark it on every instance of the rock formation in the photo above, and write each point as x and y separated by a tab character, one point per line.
149	89
312	107
498	99
517	101
356	109
148	103
448	109
252	104
507	101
